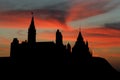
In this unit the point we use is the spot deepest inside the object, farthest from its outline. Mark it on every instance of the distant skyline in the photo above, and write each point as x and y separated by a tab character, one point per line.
68	16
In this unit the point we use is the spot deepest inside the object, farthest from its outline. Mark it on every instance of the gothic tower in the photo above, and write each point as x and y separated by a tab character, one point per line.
32	32
59	37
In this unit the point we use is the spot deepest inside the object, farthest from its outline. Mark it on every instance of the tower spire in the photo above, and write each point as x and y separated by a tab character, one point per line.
32	31
32	25
80	37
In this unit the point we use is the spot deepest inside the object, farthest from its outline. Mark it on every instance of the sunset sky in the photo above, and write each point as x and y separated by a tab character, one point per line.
99	21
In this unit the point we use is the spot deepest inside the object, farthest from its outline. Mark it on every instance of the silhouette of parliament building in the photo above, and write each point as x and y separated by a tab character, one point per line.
49	52
55	53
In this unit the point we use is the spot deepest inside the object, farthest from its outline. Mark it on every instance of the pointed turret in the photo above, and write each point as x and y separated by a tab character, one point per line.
80	38
32	32
32	25
80	51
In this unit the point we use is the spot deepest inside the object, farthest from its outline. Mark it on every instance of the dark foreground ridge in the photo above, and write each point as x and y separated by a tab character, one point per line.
30	52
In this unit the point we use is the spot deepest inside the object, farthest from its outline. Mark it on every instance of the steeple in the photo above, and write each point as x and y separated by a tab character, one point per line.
80	37
32	26
80	41
32	32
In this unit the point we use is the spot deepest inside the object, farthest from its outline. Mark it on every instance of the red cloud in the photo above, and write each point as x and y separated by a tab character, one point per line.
103	37
47	18
86	9
21	21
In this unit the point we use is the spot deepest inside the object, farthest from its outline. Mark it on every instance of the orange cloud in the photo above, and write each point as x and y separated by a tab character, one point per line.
86	9
102	37
21	21
47	18
4	46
